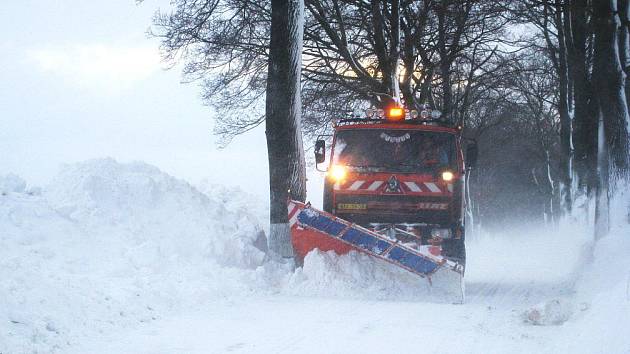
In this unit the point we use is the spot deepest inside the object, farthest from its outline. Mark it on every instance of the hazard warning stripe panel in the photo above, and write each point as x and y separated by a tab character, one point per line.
410	186
432	187
413	187
374	186
356	185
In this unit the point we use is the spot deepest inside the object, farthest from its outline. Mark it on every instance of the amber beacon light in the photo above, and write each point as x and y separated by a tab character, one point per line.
396	113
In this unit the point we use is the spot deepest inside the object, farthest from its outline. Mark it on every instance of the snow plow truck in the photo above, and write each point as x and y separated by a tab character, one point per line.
395	188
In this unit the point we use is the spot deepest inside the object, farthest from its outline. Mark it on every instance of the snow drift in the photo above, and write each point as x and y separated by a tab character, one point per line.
109	245
142	203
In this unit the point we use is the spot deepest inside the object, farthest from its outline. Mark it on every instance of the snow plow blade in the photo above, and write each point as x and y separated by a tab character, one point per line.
315	229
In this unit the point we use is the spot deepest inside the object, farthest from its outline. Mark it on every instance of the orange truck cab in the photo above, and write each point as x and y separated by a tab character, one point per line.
401	173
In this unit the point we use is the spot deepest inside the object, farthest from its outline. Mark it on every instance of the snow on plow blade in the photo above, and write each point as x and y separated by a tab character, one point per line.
312	228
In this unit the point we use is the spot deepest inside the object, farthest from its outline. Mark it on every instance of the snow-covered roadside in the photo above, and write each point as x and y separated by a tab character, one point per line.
601	305
108	246
117	257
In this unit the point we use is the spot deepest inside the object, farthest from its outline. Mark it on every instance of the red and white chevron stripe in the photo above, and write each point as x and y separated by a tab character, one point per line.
294	210
413	187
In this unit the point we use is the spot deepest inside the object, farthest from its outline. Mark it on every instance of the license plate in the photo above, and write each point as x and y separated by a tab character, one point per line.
346	206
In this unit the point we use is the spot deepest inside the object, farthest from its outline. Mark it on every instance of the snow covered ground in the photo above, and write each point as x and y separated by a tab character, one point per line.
122	258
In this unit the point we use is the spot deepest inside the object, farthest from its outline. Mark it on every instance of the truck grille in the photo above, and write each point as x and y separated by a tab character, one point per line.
363	209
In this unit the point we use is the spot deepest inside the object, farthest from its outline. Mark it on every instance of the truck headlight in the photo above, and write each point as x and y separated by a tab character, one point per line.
337	172
441	233
447	176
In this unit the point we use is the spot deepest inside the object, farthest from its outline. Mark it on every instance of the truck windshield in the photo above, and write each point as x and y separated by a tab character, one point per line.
391	150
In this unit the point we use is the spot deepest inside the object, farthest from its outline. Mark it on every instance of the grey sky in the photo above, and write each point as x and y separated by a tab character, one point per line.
79	80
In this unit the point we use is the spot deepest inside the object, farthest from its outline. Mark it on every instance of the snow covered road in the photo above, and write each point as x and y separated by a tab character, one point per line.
314	325
491	321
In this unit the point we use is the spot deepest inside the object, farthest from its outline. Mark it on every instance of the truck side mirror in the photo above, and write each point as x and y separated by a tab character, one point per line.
471	155
320	151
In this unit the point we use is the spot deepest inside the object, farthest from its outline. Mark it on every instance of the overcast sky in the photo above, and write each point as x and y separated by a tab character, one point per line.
80	80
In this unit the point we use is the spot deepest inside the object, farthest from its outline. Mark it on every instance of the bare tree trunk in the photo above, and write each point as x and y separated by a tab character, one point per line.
408	59
426	92
563	107
609	81
602	201
584	136
445	62
387	46
284	139
395	50
623	8
624	42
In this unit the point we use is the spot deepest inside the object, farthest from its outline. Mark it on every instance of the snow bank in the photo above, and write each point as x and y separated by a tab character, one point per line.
359	276
143	203
353	275
11	184
596	316
107	246
549	313
603	298
235	200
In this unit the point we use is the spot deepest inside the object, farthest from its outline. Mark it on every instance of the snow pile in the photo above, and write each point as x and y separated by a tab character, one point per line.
359	276
108	246
143	203
11	184
552	312
596	316
603	293
235	199
353	275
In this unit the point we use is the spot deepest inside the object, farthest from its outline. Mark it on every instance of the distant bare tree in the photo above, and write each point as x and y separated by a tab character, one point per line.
588	44
555	41
518	131
356	54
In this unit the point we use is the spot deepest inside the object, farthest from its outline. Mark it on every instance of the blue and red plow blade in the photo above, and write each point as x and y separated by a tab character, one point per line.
312	228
